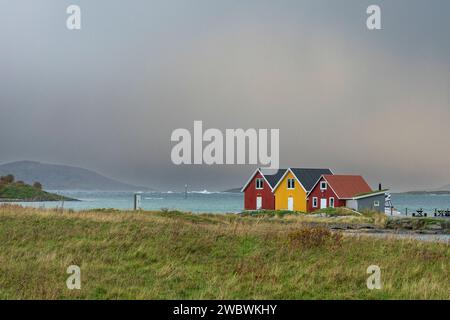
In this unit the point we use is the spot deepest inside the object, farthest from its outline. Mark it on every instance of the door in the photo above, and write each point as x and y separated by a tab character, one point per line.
291	204
323	203
258	203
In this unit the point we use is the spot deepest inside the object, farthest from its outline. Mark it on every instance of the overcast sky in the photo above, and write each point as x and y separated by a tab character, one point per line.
108	97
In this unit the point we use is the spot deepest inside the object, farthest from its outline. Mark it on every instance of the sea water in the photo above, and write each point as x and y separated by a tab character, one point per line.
205	201
195	201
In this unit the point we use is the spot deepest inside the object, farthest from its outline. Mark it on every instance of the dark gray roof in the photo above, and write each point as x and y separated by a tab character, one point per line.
309	177
273	179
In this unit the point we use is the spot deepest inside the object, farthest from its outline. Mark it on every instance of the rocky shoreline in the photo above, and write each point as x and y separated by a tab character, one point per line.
431	225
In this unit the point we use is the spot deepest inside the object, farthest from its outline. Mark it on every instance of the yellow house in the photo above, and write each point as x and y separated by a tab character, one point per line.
292	189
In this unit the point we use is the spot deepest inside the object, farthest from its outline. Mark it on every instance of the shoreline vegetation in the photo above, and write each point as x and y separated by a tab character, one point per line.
440	192
174	255
19	191
418	192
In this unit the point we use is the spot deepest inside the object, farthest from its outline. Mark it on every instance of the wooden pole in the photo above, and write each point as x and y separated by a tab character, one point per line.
137	201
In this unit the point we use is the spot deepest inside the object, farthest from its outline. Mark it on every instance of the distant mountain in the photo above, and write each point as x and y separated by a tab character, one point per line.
445	188
234	190
442	190
62	177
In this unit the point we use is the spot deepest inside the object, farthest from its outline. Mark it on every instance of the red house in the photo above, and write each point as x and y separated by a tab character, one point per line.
336	191
258	191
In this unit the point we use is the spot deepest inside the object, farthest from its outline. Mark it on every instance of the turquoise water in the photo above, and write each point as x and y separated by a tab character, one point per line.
204	201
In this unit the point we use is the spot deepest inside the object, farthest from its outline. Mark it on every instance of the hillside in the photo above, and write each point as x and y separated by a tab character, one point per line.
62	177
17	191
173	255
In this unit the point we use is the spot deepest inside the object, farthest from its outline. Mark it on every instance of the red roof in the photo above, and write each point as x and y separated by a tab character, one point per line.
346	186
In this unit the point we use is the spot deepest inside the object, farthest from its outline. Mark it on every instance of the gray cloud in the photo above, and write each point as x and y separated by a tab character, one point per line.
109	96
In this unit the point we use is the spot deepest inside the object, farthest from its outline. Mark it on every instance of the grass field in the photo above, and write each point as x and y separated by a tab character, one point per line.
172	255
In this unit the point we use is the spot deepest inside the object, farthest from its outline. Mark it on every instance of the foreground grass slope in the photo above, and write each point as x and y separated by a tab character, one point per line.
170	255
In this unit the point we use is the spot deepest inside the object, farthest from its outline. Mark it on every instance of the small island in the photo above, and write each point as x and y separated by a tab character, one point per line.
19	191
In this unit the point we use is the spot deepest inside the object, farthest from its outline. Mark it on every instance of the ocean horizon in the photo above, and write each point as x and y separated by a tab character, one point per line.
204	201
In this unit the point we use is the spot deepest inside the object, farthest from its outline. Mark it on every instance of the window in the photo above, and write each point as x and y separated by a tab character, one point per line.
331	202
376	203
323	185
291	184
259	183
314	204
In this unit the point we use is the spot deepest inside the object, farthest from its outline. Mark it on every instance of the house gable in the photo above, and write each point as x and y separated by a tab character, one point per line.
252	193
252	177
283	178
270	179
317	194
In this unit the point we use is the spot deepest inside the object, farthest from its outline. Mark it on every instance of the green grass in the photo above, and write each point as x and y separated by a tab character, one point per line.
340	211
25	192
174	255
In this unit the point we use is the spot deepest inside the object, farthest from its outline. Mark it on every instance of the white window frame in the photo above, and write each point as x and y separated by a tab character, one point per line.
293	184
323	183
376	203
261	181
315	202
331	201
